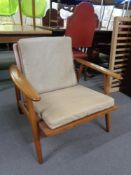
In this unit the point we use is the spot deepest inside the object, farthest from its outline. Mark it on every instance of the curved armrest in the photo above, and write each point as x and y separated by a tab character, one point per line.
98	68
22	83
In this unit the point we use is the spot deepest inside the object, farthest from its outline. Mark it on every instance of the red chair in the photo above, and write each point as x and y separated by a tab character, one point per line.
81	27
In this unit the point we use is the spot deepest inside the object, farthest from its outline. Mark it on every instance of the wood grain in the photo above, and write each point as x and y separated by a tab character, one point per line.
22	83
99	68
50	132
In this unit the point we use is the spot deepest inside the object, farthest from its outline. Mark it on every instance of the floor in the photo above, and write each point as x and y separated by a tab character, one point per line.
87	149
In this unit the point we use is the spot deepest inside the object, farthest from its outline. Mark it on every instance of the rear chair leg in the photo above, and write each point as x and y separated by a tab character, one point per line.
80	71
107	120
18	98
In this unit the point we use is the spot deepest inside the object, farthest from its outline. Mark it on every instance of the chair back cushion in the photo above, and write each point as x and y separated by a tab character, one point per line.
47	62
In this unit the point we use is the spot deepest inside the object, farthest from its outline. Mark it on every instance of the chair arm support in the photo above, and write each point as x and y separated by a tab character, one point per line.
22	83
98	68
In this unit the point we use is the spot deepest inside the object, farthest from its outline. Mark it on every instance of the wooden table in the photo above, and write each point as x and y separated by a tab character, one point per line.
56	31
102	37
12	33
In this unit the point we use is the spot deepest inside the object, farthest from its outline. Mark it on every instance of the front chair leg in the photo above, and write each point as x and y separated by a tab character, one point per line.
107	120
38	149
35	130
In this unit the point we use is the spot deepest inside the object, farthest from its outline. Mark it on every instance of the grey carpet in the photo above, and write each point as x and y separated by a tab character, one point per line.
86	150
5	84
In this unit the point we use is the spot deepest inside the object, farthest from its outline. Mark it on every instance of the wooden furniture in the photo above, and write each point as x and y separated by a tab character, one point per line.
55	103
52	19
12	33
81	27
120	50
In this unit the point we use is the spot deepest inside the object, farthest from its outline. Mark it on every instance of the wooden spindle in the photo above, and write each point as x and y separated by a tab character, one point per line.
20	12
33	13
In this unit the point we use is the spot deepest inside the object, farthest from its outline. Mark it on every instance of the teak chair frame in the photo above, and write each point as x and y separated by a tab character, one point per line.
38	126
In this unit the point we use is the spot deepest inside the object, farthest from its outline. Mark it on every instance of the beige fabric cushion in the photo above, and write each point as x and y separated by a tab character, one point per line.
47	62
63	106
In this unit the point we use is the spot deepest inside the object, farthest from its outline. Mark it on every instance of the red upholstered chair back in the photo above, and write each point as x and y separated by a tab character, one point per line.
81	25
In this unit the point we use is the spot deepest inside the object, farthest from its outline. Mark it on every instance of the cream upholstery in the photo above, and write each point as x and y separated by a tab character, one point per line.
47	62
66	105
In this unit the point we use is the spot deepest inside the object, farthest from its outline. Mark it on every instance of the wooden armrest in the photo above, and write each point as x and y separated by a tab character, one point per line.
98	68
22	83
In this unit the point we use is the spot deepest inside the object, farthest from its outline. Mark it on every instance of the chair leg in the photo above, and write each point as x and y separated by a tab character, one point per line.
35	130
85	74
18	98
80	71
38	149
107	120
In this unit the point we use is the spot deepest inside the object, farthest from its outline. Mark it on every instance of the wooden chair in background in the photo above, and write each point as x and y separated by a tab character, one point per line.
49	94
81	27
52	19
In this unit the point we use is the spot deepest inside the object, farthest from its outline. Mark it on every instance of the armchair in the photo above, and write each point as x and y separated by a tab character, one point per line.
47	90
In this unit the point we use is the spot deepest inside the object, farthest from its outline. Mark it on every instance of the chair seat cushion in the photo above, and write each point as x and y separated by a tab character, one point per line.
63	106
